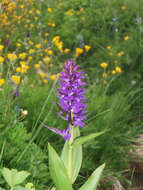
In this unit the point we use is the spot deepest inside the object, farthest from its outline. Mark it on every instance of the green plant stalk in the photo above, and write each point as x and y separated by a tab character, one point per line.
70	165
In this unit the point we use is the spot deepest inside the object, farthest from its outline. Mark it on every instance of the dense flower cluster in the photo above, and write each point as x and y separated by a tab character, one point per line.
72	102
70	94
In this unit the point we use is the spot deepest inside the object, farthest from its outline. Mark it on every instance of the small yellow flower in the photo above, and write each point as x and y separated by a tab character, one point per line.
16	79
56	39
36	18
120	54
115	61
31	50
49	10
66	50
18	69
29	58
7	36
109	47
47	59
38	46
104	75
45	81
12	56
1	47
111	53
18	45
45	41
87	48
118	70
22	6
113	72
53	77
43	75
37	66
38	12
126	38
50	52
53	25
46	34
123	7
104	65
22	55
1	59
78	51
2	81
31	43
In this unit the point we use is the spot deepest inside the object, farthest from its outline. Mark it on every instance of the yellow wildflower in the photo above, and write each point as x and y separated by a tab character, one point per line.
53	25
31	50
50	52
123	7
38	12
16	79
18	69
37	66
22	55
111	53
126	38
115	61
56	39
104	75
120	54
22	6
12	56
113	72
87	47
49	10
104	65
18	45
53	77
29	58
31	43
35	18
1	47
109	47
47	59
38	46
1	59
46	34
118	70
66	50
2	81
43	75
78	51
45	81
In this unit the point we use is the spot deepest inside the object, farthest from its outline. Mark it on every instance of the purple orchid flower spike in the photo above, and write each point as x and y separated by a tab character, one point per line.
71	100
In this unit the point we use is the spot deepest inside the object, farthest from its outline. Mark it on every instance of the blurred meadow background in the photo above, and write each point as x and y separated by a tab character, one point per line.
106	39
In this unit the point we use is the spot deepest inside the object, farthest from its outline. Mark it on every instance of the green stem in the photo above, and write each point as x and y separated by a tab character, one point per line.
70	161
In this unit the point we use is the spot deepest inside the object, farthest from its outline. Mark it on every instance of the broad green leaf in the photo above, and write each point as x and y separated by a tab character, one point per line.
58	171
76	156
13	177
93	180
19	188
82	140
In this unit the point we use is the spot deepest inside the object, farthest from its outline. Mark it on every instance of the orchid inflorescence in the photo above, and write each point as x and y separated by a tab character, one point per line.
72	102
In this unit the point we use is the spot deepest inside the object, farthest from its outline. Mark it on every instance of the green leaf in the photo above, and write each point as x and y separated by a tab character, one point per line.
13	177
93	180
19	188
76	156
58	171
82	140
